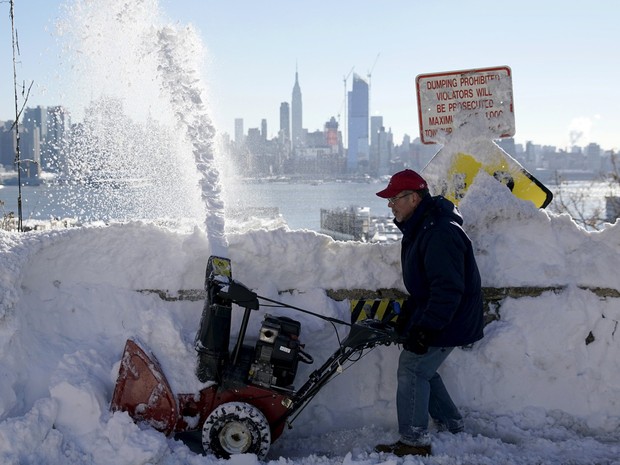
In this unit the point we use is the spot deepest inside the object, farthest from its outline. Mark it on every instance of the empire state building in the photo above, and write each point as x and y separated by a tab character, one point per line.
296	115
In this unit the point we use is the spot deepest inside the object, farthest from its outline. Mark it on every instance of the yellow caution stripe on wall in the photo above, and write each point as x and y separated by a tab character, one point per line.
379	309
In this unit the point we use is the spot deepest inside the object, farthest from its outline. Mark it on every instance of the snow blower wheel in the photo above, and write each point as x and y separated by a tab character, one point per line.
236	428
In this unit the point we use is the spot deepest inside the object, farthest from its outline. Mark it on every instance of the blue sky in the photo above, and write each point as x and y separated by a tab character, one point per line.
563	57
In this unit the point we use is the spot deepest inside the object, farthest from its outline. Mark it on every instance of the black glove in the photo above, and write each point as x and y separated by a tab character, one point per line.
419	340
401	322
400	325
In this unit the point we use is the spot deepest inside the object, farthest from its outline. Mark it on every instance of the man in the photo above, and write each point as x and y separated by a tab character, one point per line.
443	310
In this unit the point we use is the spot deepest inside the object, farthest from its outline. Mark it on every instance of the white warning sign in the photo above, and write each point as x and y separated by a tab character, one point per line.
479	97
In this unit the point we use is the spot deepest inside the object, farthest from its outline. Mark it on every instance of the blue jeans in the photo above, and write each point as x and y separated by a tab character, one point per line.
421	392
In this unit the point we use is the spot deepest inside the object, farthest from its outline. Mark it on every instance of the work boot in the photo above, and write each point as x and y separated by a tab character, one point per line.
401	449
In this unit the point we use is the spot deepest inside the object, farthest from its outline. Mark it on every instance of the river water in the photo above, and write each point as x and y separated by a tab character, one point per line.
299	204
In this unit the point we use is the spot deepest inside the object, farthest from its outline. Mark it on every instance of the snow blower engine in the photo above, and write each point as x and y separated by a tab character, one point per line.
277	353
272	363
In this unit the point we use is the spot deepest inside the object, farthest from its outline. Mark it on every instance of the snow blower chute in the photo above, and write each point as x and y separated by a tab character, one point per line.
250	395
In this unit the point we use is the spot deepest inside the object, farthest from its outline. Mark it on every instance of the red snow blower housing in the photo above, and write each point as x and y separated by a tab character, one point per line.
250	394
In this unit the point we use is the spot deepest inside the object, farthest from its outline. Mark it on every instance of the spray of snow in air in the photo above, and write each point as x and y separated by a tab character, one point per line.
144	147
178	75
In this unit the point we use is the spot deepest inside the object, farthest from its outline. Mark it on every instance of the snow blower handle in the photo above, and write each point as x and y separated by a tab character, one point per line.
239	294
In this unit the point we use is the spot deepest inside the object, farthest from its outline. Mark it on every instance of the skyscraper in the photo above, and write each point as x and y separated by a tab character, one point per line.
56	145
296	115
239	131
285	121
374	152
357	156
263	128
35	125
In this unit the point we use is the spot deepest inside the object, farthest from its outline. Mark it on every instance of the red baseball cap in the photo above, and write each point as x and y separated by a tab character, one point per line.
406	180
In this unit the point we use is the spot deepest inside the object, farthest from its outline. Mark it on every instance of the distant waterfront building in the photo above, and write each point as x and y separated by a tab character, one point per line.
332	135
377	153
7	146
54	157
285	121
296	115
355	224
357	157
531	154
593	159
33	132
263	128
239	131
349	224
32	141
508	145
44	134
36	118
321	154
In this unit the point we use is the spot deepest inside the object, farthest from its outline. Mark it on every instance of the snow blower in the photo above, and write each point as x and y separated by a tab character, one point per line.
249	395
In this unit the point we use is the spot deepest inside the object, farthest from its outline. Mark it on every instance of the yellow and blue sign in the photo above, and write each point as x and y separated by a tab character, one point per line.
453	170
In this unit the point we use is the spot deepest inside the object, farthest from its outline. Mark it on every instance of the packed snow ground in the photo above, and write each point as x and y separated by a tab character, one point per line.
533	391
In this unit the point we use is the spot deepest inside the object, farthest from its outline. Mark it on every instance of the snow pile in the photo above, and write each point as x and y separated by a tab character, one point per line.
546	377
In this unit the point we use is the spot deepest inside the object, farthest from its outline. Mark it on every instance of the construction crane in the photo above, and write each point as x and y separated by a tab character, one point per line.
344	125
369	76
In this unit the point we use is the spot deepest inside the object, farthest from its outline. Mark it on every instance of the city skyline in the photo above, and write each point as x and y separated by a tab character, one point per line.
50	141
563	76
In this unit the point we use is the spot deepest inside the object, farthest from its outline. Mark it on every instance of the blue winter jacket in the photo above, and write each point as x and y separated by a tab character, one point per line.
441	276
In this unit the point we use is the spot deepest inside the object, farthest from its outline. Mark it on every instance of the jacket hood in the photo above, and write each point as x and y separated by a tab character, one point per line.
437	206
446	208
